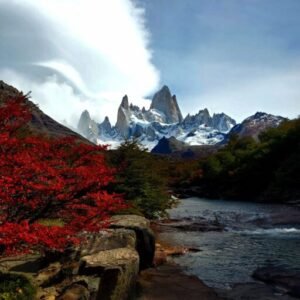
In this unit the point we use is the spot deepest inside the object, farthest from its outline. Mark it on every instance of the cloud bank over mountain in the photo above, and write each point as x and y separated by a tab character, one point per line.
76	54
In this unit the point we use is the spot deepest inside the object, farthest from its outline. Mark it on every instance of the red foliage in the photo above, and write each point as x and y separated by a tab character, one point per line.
48	178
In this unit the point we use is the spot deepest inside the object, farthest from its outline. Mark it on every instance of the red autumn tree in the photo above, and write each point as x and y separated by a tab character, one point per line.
46	178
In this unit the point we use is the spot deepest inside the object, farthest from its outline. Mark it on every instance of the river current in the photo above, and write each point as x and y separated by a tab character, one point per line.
255	235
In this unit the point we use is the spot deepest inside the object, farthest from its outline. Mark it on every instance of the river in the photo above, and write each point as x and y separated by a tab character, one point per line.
255	235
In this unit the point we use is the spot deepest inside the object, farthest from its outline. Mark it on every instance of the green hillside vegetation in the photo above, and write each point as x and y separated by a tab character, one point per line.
141	179
266	170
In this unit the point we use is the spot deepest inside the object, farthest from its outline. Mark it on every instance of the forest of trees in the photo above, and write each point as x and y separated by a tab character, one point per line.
246	169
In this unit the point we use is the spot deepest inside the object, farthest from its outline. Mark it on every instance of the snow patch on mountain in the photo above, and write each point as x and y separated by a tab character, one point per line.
162	119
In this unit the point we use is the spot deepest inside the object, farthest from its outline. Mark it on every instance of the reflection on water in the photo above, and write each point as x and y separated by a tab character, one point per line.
248	242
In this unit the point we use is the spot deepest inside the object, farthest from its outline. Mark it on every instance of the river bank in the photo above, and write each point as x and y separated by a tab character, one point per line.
237	240
167	280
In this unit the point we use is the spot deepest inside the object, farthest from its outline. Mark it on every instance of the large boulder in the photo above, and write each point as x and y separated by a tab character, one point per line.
107	240
118	269
145	244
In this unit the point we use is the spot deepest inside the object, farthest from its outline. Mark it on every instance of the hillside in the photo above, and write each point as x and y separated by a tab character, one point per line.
264	169
40	122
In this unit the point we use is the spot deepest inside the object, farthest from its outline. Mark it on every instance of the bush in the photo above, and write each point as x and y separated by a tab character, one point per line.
141	179
15	287
53	179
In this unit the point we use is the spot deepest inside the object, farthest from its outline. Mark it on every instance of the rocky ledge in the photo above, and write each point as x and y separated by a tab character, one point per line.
105	267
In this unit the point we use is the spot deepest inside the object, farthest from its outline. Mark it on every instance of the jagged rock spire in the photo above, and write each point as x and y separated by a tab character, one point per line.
167	104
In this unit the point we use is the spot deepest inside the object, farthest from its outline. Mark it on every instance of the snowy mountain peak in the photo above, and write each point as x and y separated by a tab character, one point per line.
255	124
164	102
162	119
125	102
87	127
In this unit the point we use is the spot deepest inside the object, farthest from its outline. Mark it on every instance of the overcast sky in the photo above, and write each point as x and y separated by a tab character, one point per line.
232	56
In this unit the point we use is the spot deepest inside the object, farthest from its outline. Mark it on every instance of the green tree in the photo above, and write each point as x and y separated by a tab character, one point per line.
141	179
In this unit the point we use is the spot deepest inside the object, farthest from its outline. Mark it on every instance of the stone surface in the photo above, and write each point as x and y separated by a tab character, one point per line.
75	292
118	269
287	279
104	267
167	282
145	245
130	221
108	239
110	258
49	275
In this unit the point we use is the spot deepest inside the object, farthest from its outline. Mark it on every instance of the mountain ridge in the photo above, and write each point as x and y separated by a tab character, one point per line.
162	119
40	123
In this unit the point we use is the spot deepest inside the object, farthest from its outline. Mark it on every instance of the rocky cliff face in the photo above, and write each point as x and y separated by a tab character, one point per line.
164	102
123	120
88	127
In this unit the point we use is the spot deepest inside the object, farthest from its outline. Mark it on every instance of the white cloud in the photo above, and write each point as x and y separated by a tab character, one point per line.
98	51
58	99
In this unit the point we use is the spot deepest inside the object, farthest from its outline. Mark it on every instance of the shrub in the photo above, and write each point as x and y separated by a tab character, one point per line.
43	178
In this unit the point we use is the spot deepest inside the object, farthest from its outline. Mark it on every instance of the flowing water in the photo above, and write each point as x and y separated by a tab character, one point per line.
255	235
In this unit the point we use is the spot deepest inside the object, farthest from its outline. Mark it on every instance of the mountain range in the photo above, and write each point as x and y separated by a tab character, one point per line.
163	122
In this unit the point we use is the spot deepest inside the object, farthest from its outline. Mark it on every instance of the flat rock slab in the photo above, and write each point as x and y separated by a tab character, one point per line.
130	221
167	282
111	258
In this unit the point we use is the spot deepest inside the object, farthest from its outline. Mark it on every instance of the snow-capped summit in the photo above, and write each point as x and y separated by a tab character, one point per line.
164	102
255	124
162	119
88	127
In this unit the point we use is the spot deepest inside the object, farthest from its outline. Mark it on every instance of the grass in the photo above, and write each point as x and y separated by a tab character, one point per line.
15	287
52	222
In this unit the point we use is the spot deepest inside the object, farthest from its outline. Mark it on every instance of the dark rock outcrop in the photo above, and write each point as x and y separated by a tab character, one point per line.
171	146
254	125
278	276
145	245
168	146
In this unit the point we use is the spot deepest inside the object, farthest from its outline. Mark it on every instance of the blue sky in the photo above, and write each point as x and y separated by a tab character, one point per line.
238	56
232	56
